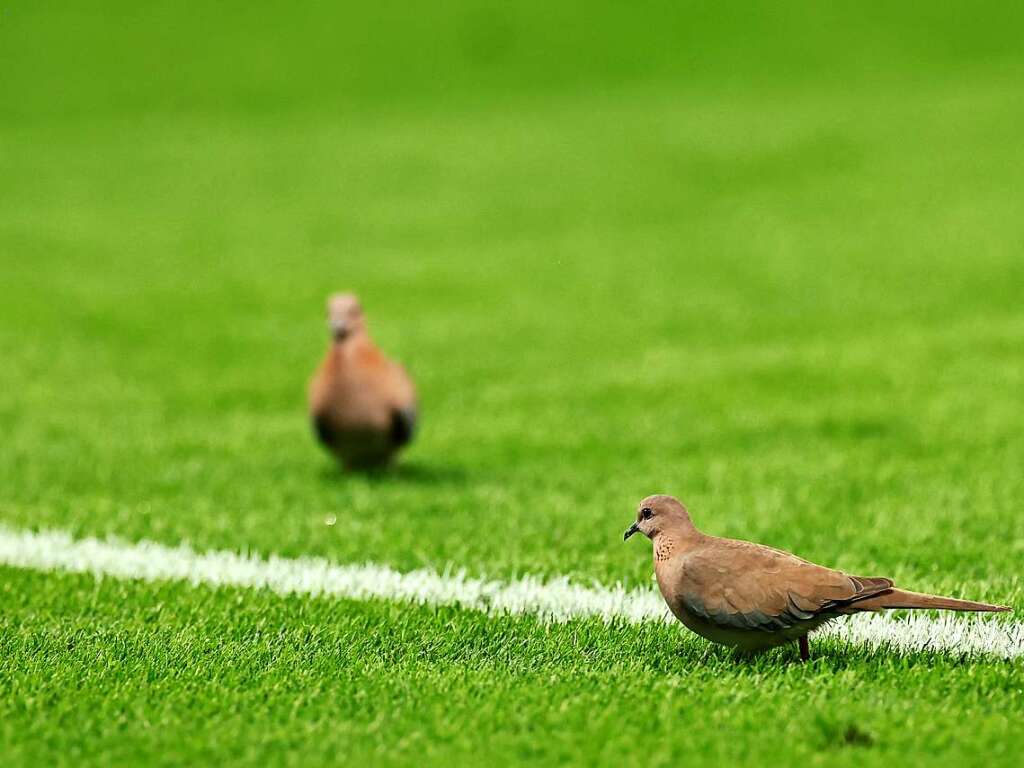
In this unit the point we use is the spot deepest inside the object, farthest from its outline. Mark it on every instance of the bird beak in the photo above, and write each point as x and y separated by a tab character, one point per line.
631	530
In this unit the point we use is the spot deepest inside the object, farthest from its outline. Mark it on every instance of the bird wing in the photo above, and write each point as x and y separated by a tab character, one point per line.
387	377
740	585
402	388
320	386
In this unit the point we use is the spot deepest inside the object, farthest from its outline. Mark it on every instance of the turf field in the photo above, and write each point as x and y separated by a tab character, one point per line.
767	259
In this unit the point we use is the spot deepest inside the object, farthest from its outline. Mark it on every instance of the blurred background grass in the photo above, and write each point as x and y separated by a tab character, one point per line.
765	257
64	60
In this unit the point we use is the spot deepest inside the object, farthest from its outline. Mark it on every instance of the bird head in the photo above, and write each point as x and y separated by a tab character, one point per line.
344	315
659	513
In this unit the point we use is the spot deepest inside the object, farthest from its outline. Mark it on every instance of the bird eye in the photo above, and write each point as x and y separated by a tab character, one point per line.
646	513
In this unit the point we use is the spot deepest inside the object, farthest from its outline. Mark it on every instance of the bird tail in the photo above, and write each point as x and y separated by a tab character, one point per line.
901	598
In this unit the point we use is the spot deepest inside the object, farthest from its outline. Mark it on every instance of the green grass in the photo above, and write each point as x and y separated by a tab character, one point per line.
223	676
767	260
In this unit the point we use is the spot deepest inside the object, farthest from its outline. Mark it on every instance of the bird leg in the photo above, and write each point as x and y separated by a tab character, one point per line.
805	651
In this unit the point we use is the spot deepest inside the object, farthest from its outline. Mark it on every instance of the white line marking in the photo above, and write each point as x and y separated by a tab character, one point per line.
556	600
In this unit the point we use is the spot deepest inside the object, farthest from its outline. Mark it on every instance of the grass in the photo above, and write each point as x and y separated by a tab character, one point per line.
768	261
229	676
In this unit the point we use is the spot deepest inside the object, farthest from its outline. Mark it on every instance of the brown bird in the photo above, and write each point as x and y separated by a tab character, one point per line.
363	406
752	597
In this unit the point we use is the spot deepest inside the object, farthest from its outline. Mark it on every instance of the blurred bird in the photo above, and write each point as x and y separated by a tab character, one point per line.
363	406
752	597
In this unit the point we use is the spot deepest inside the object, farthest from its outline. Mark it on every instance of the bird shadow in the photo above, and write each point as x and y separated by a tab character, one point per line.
836	657
403	473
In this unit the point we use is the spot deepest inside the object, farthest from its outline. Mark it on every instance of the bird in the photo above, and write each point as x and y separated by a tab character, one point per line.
362	405
752	597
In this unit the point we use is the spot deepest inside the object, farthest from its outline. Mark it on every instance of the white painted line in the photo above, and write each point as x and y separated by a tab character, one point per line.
556	600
